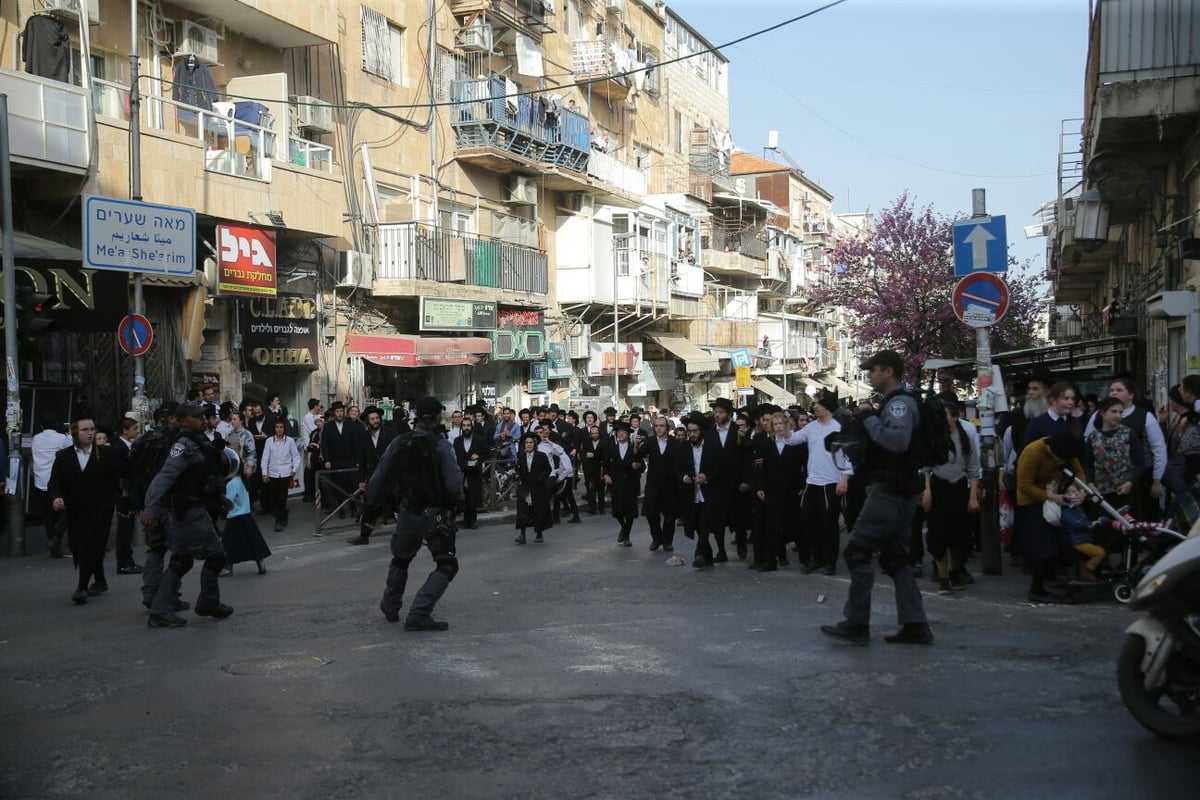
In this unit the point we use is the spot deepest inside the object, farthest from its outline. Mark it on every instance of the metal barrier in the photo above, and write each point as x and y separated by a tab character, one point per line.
327	483
499	484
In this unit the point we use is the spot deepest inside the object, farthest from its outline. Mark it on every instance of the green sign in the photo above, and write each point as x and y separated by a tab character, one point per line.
538	383
448	314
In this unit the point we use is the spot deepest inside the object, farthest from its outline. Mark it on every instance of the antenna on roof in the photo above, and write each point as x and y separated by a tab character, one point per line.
773	146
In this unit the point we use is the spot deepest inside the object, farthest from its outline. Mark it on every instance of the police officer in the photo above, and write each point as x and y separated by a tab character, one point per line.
146	457
192	485
883	527
419	519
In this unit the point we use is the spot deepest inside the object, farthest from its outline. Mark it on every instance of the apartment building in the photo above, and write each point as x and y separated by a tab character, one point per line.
503	200
1123	250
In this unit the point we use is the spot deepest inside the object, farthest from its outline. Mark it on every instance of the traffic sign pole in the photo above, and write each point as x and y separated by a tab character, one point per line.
989	505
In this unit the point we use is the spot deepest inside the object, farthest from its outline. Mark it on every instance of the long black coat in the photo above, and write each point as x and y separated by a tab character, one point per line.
724	500
533	491
662	476
591	457
780	477
341	448
89	497
472	475
626	476
710	519
370	452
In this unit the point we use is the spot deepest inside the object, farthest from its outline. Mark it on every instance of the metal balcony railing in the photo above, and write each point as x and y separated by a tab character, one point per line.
411	250
749	243
523	125
608	169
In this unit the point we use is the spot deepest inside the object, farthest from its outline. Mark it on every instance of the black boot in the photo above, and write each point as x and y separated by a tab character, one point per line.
520	537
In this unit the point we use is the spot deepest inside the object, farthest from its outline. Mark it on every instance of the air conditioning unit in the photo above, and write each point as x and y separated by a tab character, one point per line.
523	191
475	38
578	343
355	270
196	40
312	113
70	9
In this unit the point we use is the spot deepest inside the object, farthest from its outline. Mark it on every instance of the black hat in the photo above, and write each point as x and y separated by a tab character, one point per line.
722	402
610	410
189	410
1045	380
336	404
622	426
554	407
885	358
369	410
429	407
696	418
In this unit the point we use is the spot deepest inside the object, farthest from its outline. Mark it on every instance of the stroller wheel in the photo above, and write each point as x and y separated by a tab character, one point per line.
1123	592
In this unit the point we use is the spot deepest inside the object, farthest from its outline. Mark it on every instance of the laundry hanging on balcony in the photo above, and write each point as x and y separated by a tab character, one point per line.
47	48
529	57
193	86
510	96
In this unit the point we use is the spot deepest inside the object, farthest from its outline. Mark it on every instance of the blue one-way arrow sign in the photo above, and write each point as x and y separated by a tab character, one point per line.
980	245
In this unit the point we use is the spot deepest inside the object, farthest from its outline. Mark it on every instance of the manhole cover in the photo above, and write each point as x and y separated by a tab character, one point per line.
275	665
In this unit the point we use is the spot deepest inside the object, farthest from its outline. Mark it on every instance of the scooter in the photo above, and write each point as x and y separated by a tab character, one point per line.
1158	671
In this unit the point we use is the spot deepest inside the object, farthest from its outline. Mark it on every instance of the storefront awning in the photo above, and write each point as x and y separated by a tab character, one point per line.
773	390
26	246
845	391
694	359
418	351
814	384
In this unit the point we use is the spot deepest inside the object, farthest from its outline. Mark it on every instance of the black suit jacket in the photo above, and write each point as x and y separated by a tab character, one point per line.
341	449
479	448
662	468
370	453
87	493
778	475
591	457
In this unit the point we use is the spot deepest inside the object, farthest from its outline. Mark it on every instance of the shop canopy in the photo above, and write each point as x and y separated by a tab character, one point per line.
694	359
418	351
773	390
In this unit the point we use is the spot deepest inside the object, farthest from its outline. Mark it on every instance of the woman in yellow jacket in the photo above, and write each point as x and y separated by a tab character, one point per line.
1034	539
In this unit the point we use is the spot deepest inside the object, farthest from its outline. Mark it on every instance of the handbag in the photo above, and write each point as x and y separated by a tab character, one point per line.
1052	511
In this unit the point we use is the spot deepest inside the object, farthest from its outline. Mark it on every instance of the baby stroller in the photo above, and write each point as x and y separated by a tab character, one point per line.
1140	544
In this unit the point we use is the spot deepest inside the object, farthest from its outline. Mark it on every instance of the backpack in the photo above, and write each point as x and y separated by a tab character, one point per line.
931	445
851	442
414	479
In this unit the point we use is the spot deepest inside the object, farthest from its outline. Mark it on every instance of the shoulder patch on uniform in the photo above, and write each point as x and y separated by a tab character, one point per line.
897	409
177	450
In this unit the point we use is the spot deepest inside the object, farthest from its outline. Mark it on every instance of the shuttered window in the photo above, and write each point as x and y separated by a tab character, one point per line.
382	50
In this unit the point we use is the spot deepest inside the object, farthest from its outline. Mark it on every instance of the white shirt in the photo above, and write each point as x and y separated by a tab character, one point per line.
453	434
821	469
43	447
697	493
224	428
722	433
83	456
559	463
308	424
280	458
622	449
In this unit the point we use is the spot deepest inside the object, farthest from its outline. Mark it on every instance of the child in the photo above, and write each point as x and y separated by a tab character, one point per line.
241	538
1078	527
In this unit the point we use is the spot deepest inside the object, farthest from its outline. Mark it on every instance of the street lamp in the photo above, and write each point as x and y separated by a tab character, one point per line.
1091	218
618	238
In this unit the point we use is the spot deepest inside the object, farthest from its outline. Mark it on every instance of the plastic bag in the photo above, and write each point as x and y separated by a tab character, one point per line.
1006	517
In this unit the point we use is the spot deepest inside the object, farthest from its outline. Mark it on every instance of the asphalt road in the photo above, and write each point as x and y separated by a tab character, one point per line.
571	669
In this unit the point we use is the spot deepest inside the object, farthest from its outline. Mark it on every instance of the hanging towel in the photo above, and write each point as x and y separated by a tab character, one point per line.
510	98
529	57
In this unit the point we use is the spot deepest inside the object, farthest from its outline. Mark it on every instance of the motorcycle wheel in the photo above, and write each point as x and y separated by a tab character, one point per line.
1172	714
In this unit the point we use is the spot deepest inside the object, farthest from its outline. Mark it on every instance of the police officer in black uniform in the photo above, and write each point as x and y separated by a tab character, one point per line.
883	527
146	457
191	485
417	522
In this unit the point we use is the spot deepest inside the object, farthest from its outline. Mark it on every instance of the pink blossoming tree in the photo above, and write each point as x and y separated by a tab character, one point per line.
897	284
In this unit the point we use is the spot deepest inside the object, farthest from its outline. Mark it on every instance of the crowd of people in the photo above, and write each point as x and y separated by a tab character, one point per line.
770	485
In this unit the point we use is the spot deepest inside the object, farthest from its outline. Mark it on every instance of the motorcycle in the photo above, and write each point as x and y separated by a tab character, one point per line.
1158	670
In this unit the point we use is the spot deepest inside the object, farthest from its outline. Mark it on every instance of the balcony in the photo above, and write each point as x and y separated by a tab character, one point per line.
622	183
687	279
283	24
526	16
740	253
412	251
507	134
1143	75
235	159
47	122
595	61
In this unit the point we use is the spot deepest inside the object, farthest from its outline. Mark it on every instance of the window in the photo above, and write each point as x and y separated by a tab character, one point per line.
641	157
649	57
382	46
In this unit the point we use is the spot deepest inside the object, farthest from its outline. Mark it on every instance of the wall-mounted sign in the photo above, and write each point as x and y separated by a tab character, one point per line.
449	314
88	300
537	377
602	360
559	357
280	331
520	335
246	260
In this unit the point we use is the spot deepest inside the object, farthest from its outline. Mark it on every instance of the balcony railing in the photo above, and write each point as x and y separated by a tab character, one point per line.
749	243
47	121
523	125
413	251
731	305
687	279
604	167
232	147
597	59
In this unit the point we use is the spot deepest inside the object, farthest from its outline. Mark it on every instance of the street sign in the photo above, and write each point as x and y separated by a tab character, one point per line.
135	334
980	300
980	245
129	236
742	379
740	358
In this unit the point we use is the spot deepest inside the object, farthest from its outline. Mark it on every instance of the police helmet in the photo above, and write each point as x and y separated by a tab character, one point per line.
231	462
